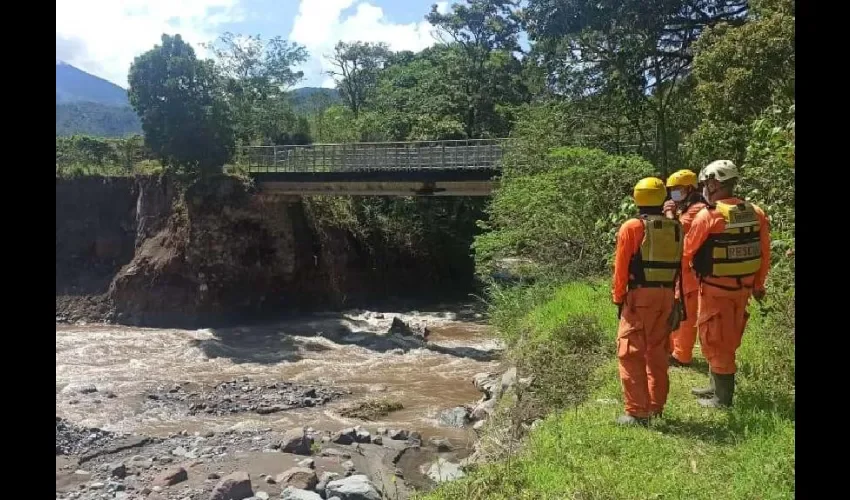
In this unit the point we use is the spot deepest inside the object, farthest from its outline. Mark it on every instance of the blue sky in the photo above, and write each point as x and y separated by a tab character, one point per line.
103	36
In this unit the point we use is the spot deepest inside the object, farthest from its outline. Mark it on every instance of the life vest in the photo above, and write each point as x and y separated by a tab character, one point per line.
658	262
736	252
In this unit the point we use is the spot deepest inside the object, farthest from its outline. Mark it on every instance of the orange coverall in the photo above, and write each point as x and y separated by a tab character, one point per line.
722	314
683	339
642	341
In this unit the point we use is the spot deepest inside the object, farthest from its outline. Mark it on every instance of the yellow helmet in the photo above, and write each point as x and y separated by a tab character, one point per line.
650	192
682	178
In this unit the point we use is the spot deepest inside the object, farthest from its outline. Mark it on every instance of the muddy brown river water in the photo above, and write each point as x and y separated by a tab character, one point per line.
350	351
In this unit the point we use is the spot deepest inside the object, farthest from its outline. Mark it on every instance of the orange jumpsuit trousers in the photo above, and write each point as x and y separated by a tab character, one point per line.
722	315
721	323
643	334
642	343
682	340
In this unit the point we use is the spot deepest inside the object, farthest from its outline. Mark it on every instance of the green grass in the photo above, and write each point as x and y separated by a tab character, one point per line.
579	453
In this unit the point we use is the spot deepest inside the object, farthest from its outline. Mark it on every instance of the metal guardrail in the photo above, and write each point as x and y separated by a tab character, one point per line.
374	156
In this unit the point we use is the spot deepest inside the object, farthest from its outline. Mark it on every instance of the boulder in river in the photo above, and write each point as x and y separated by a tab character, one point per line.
297	441
345	436
363	437
298	477
171	477
441	444
291	493
324	480
235	486
356	487
488	383
398	435
413	329
484	409
508	379
443	470
117	470
454	417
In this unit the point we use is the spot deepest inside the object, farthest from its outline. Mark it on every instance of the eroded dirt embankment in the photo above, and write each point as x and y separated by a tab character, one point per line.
141	252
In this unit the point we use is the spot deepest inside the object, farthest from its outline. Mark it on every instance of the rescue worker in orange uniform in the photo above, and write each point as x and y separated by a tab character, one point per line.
647	264
728	246
685	203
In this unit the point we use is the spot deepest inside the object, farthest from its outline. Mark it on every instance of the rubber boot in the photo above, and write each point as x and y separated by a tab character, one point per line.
630	420
705	392
724	390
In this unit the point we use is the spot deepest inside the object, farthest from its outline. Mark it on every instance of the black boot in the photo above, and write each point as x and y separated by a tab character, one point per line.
705	392
724	390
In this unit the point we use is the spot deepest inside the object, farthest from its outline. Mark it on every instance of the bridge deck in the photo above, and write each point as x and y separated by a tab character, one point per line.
369	157
426	168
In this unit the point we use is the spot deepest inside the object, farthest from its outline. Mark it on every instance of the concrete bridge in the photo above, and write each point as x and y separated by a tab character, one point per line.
422	168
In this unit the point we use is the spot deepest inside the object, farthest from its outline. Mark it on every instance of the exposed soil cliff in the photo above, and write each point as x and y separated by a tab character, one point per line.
138	251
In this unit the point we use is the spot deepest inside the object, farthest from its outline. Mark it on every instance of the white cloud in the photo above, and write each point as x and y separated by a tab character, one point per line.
103	36
319	26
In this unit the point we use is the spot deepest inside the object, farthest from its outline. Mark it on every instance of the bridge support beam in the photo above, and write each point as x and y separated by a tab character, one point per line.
410	188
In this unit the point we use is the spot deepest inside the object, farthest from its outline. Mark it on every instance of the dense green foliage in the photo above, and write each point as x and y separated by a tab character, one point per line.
561	217
256	75
95	119
308	101
184	113
86	155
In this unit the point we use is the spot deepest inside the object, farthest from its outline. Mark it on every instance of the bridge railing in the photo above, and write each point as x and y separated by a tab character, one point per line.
371	156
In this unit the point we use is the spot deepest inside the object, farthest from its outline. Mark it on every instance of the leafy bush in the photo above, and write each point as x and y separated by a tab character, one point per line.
563	218
84	155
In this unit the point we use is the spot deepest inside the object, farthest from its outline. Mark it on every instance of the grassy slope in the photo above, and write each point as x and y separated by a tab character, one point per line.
747	452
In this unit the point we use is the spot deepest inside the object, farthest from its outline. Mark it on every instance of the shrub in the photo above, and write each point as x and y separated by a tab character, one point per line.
563	218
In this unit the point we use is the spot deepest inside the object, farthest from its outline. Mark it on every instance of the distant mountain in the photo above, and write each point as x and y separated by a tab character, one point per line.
91	118
89	105
75	85
305	99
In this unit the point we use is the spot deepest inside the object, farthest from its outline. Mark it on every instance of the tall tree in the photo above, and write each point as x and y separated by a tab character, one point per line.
317	104
182	107
742	71
356	66
258	74
485	35
637	52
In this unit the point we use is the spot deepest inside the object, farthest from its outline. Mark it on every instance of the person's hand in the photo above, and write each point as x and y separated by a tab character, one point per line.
669	206
759	294
675	317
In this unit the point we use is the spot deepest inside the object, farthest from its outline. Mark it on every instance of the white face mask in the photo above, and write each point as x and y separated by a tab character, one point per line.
677	196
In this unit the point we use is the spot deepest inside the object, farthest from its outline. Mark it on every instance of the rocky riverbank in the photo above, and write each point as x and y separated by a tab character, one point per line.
302	463
371	399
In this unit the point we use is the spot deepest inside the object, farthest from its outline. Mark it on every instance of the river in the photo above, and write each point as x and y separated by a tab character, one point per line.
350	352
